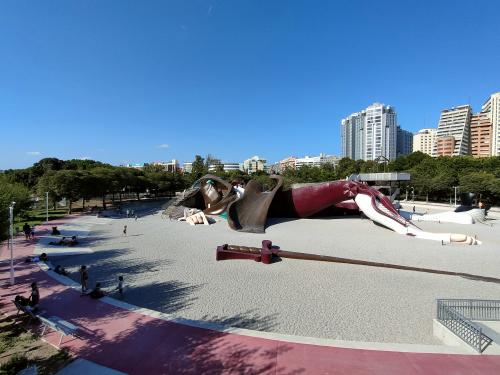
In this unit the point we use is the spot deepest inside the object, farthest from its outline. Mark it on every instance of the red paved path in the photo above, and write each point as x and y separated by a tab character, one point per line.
139	344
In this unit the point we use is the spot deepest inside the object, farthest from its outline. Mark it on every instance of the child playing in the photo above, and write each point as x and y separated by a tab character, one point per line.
120	286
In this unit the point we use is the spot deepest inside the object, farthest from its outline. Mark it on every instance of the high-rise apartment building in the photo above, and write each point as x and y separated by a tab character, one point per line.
492	109
370	134
480	135
425	141
404	142
352	135
380	133
454	123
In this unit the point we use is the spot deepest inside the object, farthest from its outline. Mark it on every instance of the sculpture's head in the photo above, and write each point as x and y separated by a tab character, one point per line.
210	194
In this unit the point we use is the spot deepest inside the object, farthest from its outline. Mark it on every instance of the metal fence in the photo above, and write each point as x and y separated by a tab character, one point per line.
457	316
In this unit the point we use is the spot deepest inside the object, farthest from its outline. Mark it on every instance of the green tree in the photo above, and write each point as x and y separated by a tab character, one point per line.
11	192
198	168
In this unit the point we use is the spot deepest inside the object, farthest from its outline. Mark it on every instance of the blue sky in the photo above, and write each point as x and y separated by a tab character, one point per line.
121	81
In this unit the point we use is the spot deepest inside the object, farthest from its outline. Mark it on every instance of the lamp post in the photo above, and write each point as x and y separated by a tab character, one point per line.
412	194
456	187
46	207
11	242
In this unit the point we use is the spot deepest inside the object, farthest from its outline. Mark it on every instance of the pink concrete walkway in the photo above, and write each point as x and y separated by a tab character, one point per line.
139	344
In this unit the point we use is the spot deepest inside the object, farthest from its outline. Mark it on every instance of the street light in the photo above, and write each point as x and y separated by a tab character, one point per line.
456	187
46	207
412	194
11	242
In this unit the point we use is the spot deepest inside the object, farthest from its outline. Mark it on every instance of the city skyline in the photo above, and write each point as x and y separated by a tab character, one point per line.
123	82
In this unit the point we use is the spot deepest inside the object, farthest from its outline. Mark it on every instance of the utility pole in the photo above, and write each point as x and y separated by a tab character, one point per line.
11	242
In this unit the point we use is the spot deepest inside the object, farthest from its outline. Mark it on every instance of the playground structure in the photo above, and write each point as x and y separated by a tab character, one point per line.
250	211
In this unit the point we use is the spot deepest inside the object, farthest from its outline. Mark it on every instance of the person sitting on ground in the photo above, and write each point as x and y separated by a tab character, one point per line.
62	241
73	241
32	259
55	231
27	231
97	292
44	257
60	270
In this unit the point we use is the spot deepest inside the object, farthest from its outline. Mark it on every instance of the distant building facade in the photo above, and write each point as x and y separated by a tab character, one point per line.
371	133
169	166
480	135
492	109
425	141
404	142
454	123
187	167
254	164
138	166
225	166
316	161
445	146
287	163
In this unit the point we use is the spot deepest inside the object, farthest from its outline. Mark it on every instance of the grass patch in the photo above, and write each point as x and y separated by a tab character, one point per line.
20	349
37	217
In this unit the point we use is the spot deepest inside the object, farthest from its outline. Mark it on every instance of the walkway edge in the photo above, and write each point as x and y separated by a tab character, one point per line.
392	347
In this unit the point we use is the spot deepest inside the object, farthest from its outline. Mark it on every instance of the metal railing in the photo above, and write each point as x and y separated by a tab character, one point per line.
457	316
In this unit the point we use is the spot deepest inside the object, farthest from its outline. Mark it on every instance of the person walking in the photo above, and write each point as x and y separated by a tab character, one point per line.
135	217
120	286
84	276
125	230
27	231
32	232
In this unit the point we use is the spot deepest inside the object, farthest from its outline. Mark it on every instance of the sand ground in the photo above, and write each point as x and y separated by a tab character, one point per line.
170	266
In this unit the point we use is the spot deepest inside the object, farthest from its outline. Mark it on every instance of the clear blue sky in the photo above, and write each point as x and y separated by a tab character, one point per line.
115	80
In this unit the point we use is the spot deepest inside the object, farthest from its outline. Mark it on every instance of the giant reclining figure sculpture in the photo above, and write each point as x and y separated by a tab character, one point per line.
249	213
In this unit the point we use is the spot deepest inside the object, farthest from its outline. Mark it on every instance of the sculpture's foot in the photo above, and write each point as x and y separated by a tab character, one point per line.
463	239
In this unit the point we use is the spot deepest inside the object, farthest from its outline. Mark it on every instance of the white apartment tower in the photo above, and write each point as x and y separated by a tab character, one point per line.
370	134
454	127
425	141
492	110
380	133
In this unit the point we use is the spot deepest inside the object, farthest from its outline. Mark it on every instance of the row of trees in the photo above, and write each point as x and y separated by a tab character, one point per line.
433	178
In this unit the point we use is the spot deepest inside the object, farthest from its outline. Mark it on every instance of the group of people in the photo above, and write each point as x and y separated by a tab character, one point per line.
97	292
131	213
29	231
65	241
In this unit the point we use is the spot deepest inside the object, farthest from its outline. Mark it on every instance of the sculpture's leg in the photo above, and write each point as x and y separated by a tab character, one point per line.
375	207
